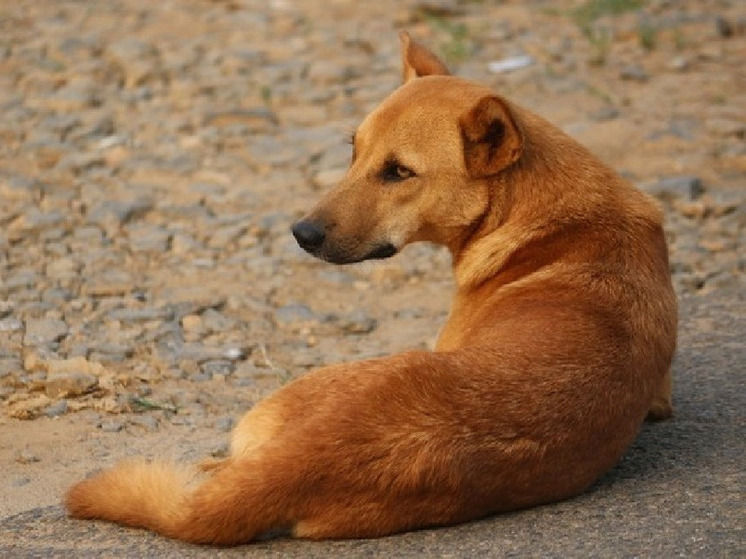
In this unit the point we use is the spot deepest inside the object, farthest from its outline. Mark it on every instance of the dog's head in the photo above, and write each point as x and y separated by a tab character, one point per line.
420	167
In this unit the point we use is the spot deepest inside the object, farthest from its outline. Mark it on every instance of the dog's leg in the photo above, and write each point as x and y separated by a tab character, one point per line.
661	407
259	425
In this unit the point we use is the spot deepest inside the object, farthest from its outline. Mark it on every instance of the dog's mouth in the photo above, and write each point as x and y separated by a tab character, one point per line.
386	250
312	237
379	252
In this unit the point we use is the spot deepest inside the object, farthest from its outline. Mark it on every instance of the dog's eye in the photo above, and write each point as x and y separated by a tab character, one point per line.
394	172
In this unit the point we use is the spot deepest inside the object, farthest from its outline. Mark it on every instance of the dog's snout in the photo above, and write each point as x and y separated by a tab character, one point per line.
309	235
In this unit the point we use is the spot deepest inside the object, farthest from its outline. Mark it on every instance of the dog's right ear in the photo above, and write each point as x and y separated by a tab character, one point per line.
492	139
417	61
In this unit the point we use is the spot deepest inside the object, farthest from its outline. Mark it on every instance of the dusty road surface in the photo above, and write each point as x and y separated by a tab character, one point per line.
154	154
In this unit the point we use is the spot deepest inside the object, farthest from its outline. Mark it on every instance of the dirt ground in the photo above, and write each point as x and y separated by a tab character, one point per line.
154	154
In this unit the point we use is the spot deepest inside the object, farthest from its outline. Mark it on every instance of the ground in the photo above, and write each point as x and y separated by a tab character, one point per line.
154	154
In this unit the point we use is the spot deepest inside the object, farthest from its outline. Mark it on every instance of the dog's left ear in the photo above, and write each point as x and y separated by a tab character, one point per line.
492	139
417	61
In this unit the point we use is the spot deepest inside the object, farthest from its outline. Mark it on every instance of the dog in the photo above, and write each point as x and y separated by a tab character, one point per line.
558	343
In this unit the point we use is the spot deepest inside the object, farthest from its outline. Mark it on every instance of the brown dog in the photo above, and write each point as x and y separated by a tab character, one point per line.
558	344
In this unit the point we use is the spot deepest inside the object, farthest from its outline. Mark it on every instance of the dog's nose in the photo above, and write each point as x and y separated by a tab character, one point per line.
309	235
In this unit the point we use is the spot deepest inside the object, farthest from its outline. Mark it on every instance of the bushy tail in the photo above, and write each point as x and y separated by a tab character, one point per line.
227	508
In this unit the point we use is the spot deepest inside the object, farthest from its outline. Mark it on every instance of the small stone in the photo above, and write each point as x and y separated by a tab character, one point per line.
9	366
79	163
687	187
358	322
63	385
109	283
328	72
135	58
225	236
633	73
679	64
27	457
294	313
6	307
28	408
20	481
256	120
727	127
19	188
220	367
606	113
112	214
148	238
44	331
62	268
73	365
235	353
224	424
200	353
215	321
57	409
723	27
192	323
11	324
111	426
142	315
146	421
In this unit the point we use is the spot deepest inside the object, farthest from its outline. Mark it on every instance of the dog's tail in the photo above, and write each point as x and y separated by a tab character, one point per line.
233	506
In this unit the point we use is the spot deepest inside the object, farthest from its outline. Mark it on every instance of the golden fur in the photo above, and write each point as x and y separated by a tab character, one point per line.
558	343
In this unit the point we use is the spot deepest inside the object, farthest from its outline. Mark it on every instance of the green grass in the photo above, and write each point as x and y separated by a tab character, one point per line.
585	17
456	46
589	12
648	36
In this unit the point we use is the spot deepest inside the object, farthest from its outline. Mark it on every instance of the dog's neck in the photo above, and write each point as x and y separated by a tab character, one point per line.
531	217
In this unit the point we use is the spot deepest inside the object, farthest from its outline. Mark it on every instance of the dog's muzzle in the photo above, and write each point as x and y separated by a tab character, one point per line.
312	237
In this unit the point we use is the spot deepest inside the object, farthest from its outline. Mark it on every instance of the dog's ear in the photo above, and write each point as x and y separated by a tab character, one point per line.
492	139
417	61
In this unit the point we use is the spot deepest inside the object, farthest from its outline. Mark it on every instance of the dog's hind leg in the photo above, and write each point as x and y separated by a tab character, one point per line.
661	407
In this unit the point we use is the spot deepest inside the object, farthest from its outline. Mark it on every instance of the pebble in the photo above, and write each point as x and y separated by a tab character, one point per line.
27	457
224	424
222	367
358	322
294	313
142	315
69	385
44	331
147	421
683	187
111	425
111	214
57	409
634	73
11	324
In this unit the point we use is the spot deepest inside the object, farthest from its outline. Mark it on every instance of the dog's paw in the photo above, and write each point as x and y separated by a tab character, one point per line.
659	410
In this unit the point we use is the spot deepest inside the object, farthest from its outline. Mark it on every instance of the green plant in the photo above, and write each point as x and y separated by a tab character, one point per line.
266	93
456	46
585	17
647	34
589	12
679	42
